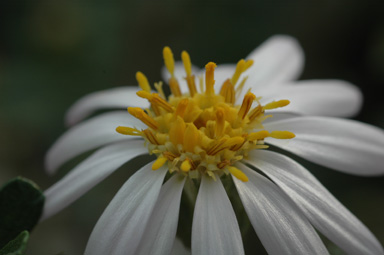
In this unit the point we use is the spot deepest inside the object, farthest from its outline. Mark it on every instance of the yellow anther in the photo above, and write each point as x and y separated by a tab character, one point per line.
181	107
174	86
258	135
237	140
159	162
168	60
128	131
220	123
246	105
240	68
191	137
143	82
209	78
276	104
150	136
237	173
248	64
187	62
144	94
224	143
176	132
282	135
185	166
141	115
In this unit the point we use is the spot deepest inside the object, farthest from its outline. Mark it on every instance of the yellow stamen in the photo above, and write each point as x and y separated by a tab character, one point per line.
220	123
191	137
141	115
187	62
240	68
258	135
185	166
209	78
176	132
282	134
159	162
276	104
237	173
241	85
168	60
224	143
128	131
246	105
143	82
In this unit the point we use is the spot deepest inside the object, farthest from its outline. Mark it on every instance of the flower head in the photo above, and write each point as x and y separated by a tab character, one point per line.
219	122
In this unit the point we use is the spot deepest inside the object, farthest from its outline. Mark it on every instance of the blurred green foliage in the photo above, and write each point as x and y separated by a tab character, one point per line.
54	52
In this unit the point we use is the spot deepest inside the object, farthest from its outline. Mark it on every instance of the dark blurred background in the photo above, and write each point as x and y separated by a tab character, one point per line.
54	52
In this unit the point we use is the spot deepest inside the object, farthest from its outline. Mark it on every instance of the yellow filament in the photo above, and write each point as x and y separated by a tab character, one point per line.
282	134
159	162
228	92
220	123
240	68
276	104
150	136
246	105
255	112
128	131
176	132
174	86
185	166
143	82
258	135
141	115
158	101
187	63
191	137
168	60
159	88
209	78
237	173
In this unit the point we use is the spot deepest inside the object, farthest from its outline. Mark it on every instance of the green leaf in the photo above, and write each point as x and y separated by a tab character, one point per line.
16	246
21	203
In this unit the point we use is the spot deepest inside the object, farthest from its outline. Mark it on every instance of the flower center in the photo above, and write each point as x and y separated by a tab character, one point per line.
202	132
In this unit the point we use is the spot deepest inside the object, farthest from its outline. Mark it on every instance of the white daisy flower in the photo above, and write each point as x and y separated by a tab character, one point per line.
216	123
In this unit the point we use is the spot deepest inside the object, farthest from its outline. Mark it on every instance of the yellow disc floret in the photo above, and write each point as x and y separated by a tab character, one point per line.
202	133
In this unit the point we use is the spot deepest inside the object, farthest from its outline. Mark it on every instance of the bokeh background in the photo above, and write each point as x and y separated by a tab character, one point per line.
54	52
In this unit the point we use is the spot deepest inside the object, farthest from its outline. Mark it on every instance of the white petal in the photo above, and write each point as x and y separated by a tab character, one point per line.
180	75
120	97
89	135
280	225
215	229
327	214
278	59
121	226
89	173
160	233
345	145
179	248
317	97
